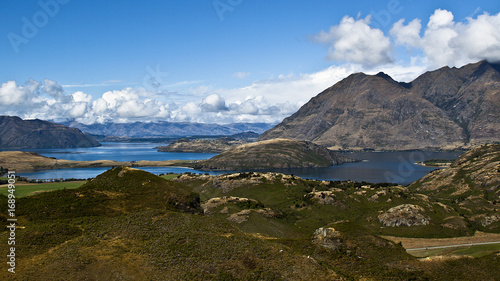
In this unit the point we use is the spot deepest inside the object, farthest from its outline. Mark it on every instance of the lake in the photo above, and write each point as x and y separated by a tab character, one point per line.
375	167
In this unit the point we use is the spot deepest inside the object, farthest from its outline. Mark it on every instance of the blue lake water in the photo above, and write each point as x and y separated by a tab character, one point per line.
397	167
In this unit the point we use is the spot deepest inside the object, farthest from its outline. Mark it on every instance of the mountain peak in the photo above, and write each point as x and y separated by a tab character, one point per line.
445	108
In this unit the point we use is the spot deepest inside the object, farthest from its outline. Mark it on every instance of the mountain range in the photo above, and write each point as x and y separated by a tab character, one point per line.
168	129
16	133
446	108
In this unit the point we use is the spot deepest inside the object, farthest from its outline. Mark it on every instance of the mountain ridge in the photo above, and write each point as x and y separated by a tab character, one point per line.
167	129
16	133
446	108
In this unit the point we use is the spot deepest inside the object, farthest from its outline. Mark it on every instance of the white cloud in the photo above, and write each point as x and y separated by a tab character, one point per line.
445	42
407	34
12	94
213	103
356	42
52	88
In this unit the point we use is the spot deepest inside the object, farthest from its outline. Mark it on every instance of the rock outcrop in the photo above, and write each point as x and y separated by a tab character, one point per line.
404	215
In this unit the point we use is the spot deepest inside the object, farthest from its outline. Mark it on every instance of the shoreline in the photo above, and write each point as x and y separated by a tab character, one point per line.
29	162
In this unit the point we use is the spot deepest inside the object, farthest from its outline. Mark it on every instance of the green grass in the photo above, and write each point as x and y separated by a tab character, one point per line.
23	190
170	176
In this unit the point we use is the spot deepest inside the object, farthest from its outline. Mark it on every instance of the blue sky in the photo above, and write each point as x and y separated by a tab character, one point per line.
219	60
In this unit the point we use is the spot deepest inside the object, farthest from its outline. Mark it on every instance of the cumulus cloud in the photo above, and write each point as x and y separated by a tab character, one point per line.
213	103
52	88
446	42
355	41
407	34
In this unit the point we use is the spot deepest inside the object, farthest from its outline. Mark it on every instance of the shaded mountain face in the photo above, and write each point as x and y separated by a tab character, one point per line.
17	133
446	108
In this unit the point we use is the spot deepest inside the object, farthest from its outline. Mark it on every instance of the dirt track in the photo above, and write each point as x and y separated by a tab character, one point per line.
411	243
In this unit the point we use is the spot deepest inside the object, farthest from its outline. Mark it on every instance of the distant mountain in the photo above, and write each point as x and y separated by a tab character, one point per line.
16	133
276	153
446	108
168	129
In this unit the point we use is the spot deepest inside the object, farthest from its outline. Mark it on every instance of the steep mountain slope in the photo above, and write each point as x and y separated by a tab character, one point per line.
18	133
275	153
445	108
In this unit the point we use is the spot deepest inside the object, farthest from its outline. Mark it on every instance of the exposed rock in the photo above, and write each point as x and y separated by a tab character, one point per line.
327	237
323	197
404	215
243	215
213	203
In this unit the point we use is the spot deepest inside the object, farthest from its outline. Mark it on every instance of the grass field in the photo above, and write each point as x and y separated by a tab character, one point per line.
26	189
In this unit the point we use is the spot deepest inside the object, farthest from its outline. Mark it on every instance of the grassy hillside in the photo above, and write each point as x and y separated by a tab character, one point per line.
128	224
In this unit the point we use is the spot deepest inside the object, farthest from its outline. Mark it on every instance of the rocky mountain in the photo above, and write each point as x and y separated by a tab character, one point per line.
445	108
16	133
275	153
168	129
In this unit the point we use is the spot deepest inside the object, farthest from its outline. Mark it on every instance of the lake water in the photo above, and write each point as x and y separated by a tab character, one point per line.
397	167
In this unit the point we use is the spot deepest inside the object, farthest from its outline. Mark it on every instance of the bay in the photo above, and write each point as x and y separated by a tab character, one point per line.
375	167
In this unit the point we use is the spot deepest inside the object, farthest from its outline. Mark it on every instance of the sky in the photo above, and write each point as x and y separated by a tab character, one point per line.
220	61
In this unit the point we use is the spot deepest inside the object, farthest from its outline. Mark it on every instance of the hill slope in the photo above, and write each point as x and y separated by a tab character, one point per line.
446	108
472	182
17	133
128	224
276	153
